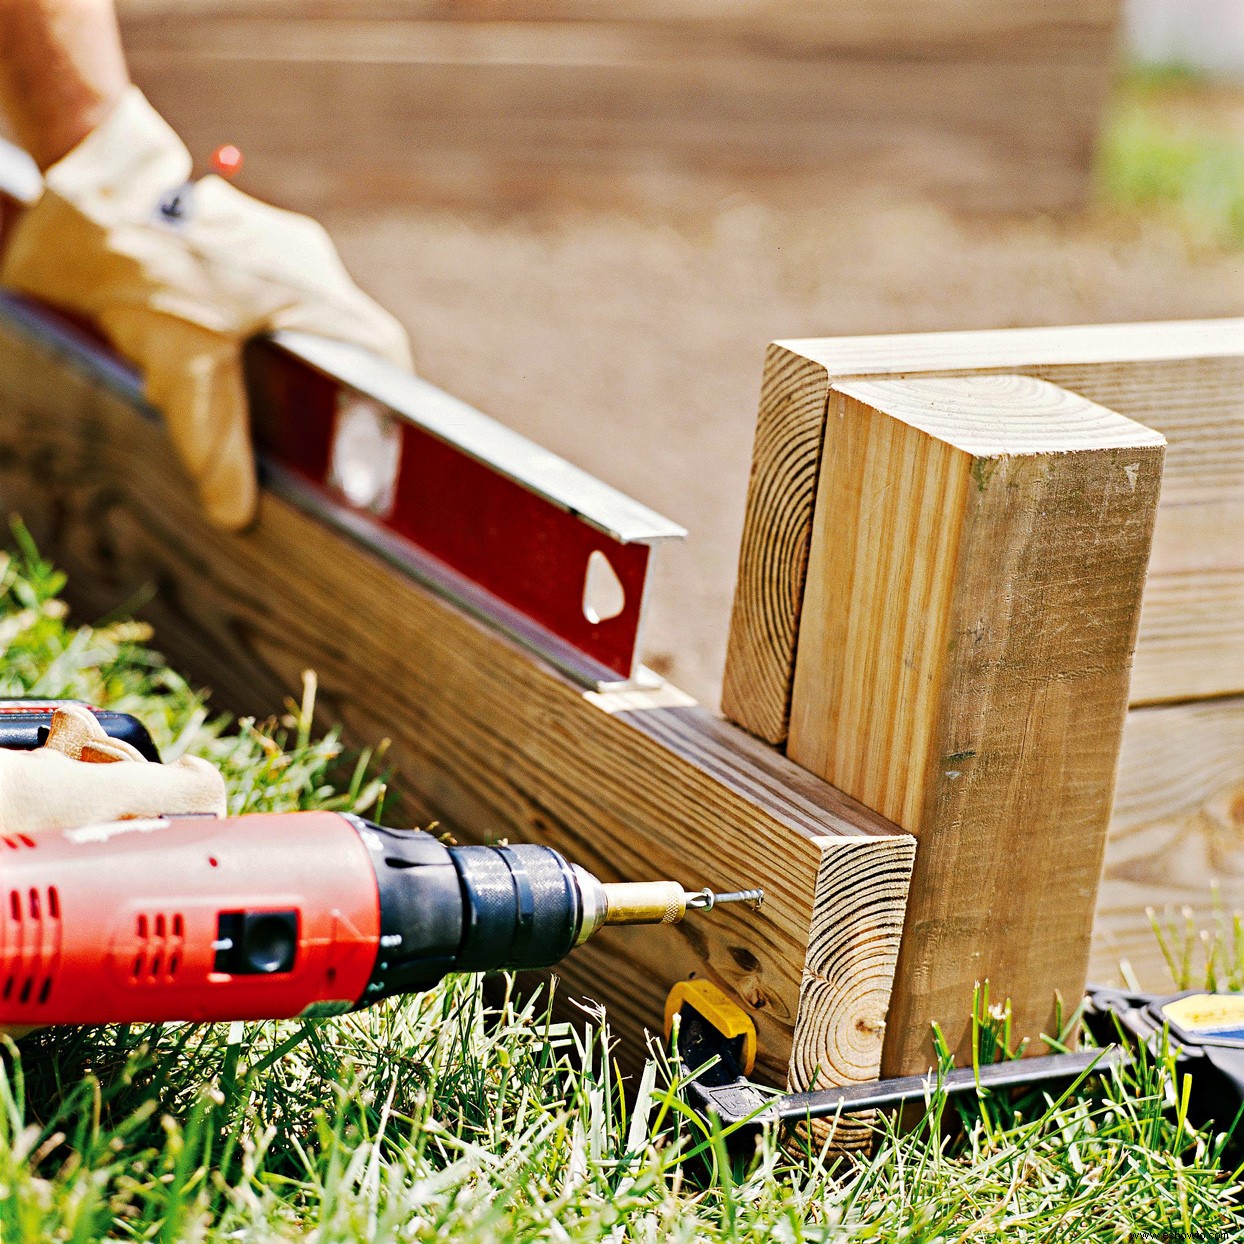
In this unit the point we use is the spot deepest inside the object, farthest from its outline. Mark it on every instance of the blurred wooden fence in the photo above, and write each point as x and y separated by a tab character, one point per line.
989	104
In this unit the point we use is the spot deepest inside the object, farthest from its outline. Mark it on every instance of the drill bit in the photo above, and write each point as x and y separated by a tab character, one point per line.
648	902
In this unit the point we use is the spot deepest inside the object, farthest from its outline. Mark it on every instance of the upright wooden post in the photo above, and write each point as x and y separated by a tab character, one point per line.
1173	832
1185	378
977	560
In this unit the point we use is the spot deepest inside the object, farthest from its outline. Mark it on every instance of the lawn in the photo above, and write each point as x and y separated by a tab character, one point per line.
441	1118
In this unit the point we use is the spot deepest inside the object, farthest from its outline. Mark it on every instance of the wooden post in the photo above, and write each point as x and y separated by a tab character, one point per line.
1181	775
977	558
1185	379
773	558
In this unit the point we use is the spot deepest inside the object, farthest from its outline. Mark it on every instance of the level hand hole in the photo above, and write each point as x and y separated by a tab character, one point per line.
367	450
603	597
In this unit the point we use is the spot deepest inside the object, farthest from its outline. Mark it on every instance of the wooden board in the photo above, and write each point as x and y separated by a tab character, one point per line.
973	593
1176	838
981	103
486	738
1186	380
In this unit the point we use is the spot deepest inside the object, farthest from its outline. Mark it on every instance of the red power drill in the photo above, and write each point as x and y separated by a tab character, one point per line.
280	915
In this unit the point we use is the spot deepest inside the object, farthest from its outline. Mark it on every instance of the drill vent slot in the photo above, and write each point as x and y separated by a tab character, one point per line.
30	941
160	938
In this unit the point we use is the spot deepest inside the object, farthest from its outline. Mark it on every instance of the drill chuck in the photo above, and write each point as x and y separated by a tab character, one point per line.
467	909
523	907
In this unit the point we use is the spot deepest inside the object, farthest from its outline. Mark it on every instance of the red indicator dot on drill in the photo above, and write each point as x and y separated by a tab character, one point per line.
226	160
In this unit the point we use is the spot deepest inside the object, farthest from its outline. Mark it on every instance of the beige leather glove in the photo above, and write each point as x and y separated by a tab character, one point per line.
179	298
83	777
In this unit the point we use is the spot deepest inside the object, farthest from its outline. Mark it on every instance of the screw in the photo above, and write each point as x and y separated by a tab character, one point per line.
706	900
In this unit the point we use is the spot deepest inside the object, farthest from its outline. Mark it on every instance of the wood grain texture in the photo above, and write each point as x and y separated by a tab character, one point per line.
486	739
972	600
1185	380
768	597
985	105
1176	836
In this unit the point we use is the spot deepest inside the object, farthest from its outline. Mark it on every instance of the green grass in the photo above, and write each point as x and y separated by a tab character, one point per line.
1152	160
438	1118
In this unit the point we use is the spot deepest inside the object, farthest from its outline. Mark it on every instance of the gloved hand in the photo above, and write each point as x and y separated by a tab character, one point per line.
179	297
80	776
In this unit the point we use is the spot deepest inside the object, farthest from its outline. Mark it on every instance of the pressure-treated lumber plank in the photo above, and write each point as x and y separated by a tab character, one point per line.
486	738
1176	836
503	103
1186	380
972	600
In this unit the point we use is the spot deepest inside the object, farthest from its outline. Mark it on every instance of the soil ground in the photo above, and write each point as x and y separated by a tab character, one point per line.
632	344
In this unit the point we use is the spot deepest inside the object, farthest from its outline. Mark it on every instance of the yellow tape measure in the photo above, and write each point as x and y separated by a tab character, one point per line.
1209	1016
718	1009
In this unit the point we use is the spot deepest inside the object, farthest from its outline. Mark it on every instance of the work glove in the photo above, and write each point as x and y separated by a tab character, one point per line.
81	776
178	277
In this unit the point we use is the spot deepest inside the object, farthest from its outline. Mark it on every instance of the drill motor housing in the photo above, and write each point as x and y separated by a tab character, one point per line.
262	917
